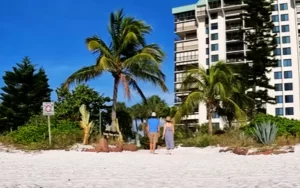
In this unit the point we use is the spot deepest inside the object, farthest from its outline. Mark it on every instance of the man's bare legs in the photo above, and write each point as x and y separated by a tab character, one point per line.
151	147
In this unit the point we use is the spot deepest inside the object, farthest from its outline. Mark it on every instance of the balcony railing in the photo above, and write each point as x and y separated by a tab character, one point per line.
234	37
192	47
231	3
235	60
201	13
187	58
233	27
234	48
185	28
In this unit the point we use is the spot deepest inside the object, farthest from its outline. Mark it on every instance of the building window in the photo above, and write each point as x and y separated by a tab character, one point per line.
278	63
277	51
286	51
214	58
207	40
285	28
289	98
279	99
278	87
277	40
288	74
207	61
215	36
277	75
276	29
274	7
284	17
288	86
279	111
214	26
275	18
289	111
207	30
207	51
287	62
283	6
214	47
286	39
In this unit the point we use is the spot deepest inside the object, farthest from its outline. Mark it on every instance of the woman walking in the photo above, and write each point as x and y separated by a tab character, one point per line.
168	134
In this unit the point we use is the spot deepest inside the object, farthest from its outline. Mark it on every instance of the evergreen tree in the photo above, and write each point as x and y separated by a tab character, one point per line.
25	91
261	43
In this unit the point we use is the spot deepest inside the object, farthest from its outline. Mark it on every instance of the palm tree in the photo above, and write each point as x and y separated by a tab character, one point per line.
212	89
127	58
240	98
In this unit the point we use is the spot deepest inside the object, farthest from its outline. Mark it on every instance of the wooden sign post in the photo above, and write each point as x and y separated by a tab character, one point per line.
48	110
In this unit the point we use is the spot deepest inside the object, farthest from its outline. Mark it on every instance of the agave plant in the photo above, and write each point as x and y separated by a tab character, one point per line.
85	124
265	132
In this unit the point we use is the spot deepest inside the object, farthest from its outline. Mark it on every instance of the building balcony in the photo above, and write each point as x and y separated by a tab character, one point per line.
233	26
185	28
234	36
194	116
235	60
186	48
232	3
185	68
186	58
201	12
214	4
235	46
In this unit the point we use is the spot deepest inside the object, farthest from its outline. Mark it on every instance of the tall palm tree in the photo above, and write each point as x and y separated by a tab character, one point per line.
127	58
211	88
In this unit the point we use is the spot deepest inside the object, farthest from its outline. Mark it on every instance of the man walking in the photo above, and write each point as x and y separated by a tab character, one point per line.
153	131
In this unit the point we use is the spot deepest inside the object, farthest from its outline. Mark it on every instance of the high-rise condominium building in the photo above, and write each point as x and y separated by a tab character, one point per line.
208	31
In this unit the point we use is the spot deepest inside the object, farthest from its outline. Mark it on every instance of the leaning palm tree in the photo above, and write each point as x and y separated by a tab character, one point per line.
127	58
210	88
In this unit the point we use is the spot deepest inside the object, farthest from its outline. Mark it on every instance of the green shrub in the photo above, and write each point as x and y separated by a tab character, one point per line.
34	135
286	127
198	141
28	134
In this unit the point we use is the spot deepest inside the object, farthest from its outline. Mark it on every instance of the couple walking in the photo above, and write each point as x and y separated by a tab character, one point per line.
154	132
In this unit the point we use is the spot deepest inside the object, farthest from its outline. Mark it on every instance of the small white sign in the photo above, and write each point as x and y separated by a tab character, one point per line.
48	108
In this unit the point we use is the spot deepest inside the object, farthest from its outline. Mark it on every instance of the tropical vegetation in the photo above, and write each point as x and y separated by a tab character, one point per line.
83	114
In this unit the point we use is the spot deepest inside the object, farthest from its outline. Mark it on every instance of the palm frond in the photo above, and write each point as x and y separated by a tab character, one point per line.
132	82
191	102
97	45
82	75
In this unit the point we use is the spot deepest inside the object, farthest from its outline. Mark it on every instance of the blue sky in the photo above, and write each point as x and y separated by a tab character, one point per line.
52	34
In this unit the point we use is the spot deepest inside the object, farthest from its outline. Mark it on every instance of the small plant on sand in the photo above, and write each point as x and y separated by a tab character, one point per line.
265	132
85	124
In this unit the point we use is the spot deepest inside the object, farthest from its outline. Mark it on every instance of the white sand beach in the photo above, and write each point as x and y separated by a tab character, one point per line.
187	167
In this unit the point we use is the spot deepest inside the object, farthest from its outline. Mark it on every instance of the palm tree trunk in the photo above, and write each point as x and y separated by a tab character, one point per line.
210	127
114	104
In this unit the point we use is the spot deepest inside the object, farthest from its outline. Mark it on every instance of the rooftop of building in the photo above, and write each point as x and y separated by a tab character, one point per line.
187	8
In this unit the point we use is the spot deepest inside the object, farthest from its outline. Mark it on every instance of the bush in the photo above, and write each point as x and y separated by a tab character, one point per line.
286	127
197	141
34	135
229	139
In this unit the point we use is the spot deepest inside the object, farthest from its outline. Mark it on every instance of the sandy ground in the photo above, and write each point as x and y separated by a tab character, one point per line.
186	168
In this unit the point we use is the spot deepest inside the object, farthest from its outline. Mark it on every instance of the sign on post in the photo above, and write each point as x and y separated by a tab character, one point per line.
48	110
